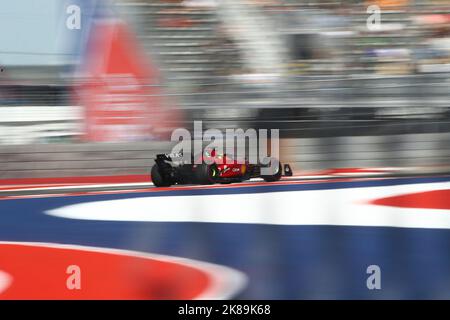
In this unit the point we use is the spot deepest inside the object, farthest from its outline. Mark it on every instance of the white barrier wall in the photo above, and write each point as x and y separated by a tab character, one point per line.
405	150
78	159
37	124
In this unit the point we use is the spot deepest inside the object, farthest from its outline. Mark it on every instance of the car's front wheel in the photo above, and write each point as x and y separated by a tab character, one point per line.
276	175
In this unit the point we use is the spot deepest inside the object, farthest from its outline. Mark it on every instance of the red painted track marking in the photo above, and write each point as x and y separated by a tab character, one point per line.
436	199
6	184
195	187
77	180
37	186
39	272
338	171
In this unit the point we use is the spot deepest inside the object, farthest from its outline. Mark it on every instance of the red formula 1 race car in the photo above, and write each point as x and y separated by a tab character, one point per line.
214	168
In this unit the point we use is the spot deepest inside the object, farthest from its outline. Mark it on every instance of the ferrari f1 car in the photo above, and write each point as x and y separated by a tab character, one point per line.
214	168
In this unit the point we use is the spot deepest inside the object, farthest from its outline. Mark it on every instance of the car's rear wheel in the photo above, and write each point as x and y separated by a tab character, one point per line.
276	175
158	178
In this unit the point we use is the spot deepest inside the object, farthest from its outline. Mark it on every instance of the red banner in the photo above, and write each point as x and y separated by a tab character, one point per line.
120	90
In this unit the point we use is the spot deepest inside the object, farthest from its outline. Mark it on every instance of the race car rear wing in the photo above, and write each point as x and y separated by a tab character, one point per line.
168	156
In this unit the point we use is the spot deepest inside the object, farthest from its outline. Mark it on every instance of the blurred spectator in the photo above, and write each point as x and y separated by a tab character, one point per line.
256	36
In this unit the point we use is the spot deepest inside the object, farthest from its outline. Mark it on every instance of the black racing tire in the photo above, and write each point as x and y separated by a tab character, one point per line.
158	179
206	174
274	177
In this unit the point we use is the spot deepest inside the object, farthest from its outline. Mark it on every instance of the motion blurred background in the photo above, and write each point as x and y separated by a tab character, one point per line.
102	96
131	71
341	92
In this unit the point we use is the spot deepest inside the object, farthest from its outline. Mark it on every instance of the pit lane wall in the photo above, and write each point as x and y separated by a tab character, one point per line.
305	155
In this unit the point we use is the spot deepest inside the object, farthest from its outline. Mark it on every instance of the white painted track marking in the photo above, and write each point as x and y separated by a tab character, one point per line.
5	281
347	207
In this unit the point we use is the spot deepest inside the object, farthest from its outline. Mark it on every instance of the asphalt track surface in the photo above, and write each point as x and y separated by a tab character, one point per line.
313	247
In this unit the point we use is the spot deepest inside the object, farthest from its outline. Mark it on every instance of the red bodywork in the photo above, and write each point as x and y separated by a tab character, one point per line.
228	168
